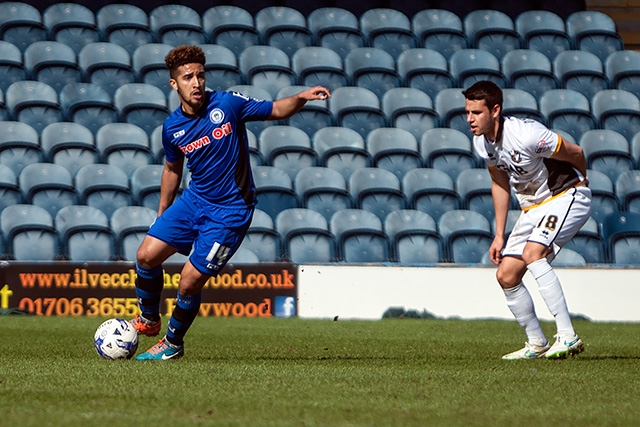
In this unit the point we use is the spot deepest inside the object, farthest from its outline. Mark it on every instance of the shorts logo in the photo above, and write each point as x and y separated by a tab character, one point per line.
216	116
542	146
285	306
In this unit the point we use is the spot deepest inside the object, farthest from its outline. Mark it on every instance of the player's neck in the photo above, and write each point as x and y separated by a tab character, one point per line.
496	134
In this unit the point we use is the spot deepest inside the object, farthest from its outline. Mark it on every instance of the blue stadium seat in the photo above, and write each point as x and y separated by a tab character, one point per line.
274	190
48	185
9	191
468	66
70	145
341	149
440	30
373	69
607	151
388	29
323	190
376	190
621	232
130	225
267	67
474	188
4	113
262	239
230	26
595	32
414	237
628	190
357	108
53	63
467	236
569	258
145	185
106	65
581	71
142	105
604	200
71	24
336	29
287	148
306	236
19	146
34	103
543	31
513	215
244	256
448	150
529	70
125	25
284	28
29	233
492	31
431	191
409	109
85	234
395	150
221	67
124	145
149	66
618	110
450	107
360	236
520	103
589	243
21	24
103	186
567	110
176	24
11	65
88	105
623	71
426	70
315	65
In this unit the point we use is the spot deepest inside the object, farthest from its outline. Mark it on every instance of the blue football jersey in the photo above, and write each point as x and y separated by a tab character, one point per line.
216	147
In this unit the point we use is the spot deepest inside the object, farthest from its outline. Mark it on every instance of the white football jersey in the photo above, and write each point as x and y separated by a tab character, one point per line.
525	151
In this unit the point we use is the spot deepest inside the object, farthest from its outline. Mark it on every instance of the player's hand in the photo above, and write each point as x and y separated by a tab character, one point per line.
495	250
316	93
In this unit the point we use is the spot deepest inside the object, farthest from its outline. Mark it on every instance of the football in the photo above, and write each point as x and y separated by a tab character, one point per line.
116	339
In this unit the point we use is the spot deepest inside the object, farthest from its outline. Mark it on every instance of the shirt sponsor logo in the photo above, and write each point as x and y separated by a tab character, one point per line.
216	116
542	146
218	133
178	134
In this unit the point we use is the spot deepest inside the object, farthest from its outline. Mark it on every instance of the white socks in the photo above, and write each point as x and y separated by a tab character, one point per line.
521	305
551	292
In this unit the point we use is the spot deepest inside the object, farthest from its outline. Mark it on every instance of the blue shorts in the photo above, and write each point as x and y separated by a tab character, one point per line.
214	231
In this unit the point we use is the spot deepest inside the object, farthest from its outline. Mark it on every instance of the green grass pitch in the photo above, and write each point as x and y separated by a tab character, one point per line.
296	372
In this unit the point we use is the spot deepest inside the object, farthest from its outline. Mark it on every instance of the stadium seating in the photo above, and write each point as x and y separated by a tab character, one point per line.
33	103
567	110
103	186
617	110
145	185
306	236
106	65
581	71
440	30
621	232
315	65
372	68
19	145
267	67
594	32
492	31
360	237
11	65
627	187
124	145
176	24
284	28
409	109
53	63
29	233
70	145
336	29
623	71
9	191
468	66
323	190
414	237
341	149
262	239
274	190
376	190
85	234
388	30
450	107
130	225
588	242
357	108
125	25
149	66
529	70
142	105
71	24
431	191
313	116
520	103
21	24
230	26
287	148
467	236
607	151
89	105
604	200
448	150
393	149
474	188
543	31
426	70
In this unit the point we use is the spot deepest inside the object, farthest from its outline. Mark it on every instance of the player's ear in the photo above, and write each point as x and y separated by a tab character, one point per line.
174	84
495	111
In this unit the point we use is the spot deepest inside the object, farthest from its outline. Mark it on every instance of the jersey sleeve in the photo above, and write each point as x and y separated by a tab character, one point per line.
251	109
171	152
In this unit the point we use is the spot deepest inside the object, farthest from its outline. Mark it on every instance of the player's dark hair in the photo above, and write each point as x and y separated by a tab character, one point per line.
182	55
485	90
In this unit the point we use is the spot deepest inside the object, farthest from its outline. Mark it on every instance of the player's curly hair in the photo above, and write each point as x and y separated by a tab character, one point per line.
182	55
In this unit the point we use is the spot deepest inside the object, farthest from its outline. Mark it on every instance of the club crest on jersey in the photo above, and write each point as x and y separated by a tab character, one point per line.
516	157
542	146
216	116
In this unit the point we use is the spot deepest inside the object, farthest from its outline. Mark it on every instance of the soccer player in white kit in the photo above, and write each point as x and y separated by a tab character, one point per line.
548	176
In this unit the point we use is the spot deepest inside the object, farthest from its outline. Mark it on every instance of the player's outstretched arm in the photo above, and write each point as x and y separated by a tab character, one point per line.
287	107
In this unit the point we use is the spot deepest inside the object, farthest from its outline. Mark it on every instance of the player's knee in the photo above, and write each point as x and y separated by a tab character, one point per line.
508	278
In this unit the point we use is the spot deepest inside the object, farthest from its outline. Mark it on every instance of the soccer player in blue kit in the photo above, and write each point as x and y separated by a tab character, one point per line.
213	214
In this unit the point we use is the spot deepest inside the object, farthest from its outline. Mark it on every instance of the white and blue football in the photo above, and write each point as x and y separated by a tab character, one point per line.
116	339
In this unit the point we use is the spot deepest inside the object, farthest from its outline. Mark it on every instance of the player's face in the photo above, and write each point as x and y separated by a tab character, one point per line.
481	119
190	84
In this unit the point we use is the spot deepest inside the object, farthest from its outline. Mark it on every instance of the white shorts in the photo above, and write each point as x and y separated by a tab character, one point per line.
553	223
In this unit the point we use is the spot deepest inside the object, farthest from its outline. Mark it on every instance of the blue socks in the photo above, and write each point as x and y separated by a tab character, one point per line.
149	284
185	312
